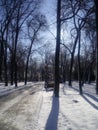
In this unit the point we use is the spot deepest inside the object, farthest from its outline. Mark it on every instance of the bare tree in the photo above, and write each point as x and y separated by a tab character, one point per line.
96	4
34	26
69	11
23	11
56	88
73	11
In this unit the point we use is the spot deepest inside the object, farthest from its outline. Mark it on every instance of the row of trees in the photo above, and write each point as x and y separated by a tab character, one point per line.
20	22
80	17
76	55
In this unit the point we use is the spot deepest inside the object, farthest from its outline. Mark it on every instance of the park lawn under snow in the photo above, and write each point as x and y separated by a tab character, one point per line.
70	111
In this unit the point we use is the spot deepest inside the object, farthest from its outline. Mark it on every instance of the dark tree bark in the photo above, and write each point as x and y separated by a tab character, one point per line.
79	66
64	69
56	88
26	70
12	62
5	60
1	56
15	51
72	60
96	4
12	69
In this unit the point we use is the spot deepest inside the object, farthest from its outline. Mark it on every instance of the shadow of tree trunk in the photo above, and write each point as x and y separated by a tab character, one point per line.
52	121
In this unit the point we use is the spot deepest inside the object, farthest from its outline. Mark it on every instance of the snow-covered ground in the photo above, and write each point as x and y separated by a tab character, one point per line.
42	111
71	111
5	90
20	108
10	88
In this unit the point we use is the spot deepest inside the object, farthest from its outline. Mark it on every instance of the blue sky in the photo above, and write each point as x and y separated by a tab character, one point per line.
49	10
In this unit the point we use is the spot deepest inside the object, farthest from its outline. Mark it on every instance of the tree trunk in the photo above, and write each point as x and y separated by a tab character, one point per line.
72	60
70	71
5	64
56	88
15	58
12	68
5	58
26	70
12	62
79	66
1	57
96	4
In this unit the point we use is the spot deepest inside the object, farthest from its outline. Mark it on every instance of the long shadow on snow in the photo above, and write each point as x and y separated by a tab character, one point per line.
92	104
89	95
53	117
64	91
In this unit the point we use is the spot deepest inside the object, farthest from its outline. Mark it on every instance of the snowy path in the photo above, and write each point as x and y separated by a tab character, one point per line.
19	110
70	112
6	90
